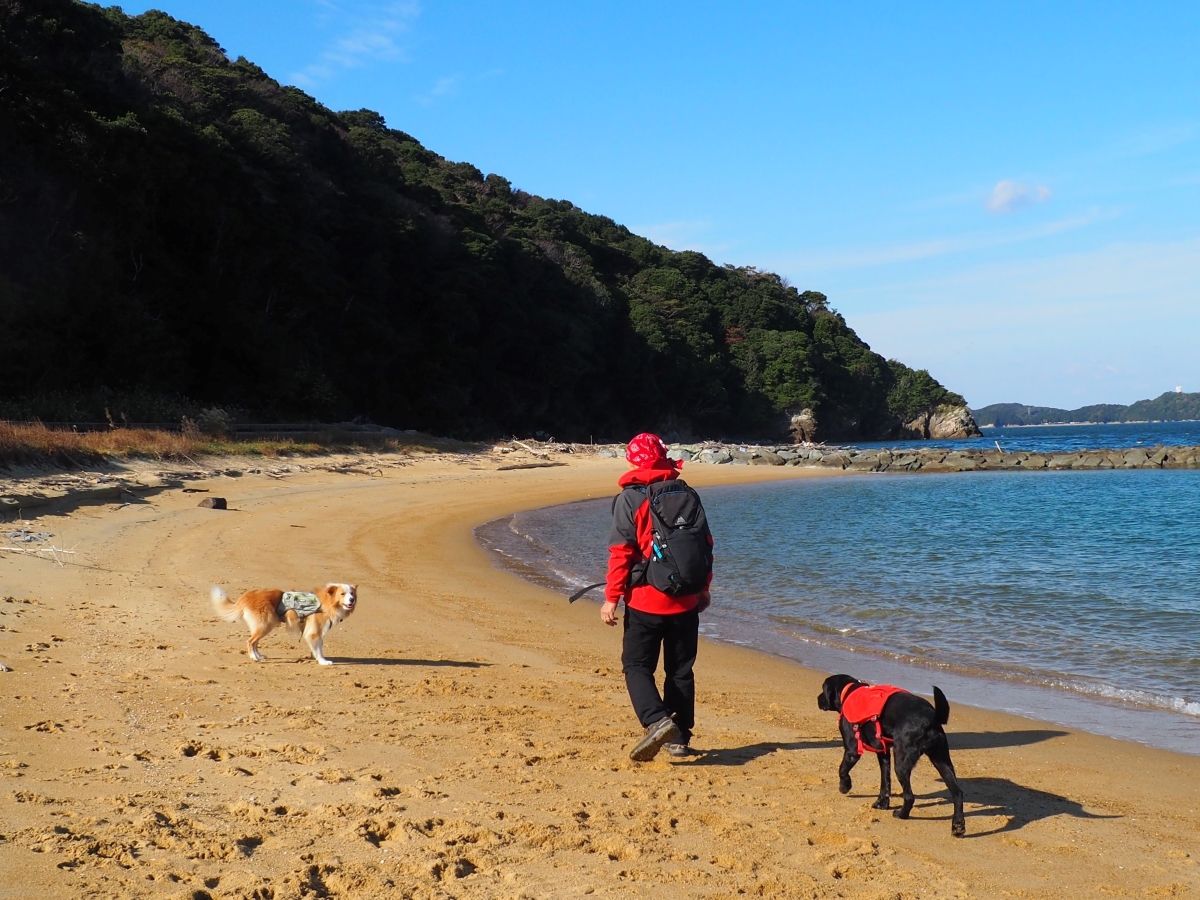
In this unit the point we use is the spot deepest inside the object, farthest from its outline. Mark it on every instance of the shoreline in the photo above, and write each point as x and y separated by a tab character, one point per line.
473	739
1047	697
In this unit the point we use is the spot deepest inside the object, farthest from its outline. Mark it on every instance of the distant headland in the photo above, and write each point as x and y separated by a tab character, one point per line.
1172	406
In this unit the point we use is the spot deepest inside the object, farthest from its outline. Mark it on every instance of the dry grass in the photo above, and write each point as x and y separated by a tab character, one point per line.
25	444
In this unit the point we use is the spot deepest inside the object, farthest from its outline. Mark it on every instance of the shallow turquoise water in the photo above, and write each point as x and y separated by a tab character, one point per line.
1069	596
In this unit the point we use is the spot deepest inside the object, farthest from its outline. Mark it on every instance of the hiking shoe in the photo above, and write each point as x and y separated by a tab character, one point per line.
677	750
664	731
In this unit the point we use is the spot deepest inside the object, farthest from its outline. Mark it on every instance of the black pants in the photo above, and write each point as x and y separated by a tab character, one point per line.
677	635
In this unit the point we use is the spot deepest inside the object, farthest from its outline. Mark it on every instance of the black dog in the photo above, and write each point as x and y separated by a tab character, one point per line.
913	726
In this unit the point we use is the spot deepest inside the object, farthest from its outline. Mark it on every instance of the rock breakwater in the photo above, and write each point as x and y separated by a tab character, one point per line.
932	459
924	459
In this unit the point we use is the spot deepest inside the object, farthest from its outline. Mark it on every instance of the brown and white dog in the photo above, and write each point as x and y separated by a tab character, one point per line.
261	611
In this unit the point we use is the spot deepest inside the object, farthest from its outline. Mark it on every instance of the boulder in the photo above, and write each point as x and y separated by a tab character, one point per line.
681	453
952	422
917	429
1134	459
1062	461
864	464
766	458
1181	456
837	460
803	426
715	456
933	465
943	423
960	462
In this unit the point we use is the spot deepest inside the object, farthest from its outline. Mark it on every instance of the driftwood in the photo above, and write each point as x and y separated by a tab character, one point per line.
374	471
534	450
531	465
58	554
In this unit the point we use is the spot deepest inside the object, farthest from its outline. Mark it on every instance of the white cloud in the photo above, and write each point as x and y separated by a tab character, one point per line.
1008	196
373	33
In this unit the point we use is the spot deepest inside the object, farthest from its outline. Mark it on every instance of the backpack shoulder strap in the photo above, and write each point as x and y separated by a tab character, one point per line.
675	486
640	488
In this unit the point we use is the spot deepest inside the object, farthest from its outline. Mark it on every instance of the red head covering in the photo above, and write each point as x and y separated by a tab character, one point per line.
647	451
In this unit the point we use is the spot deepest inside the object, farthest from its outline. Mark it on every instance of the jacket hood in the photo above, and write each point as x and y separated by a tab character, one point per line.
649	475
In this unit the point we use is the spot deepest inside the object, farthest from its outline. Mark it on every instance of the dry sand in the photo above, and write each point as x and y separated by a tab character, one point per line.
472	740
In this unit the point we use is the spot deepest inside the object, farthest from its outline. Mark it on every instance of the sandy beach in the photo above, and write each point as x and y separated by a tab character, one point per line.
472	740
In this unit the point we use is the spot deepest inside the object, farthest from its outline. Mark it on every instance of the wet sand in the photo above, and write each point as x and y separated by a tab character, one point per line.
472	741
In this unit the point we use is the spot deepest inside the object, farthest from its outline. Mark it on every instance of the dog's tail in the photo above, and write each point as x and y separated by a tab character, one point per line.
941	706
226	608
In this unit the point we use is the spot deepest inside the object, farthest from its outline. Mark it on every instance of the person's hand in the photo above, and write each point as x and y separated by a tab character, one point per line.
704	601
608	612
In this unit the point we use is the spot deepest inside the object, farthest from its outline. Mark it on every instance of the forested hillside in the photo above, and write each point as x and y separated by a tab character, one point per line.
1167	407
179	230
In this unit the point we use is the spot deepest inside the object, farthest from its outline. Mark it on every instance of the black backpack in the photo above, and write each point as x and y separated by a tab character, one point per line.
681	553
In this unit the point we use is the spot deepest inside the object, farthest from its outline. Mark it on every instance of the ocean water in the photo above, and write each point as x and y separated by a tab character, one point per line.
1067	438
1071	597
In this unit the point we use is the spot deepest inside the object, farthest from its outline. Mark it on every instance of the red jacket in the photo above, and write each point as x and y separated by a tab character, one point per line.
866	702
629	543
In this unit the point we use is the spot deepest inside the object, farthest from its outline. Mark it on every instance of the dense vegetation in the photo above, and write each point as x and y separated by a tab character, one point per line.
177	229
1168	407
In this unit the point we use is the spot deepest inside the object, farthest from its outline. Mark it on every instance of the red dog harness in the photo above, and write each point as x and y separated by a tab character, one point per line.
862	705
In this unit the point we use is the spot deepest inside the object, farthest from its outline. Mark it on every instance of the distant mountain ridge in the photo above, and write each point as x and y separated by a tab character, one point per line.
1167	407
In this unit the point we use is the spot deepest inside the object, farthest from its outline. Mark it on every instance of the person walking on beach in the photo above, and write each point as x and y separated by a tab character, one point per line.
660	564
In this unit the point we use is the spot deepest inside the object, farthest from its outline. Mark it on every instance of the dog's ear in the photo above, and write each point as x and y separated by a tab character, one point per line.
826	697
823	696
831	692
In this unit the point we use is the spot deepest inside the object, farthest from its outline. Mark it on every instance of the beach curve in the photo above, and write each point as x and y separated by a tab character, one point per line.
473	740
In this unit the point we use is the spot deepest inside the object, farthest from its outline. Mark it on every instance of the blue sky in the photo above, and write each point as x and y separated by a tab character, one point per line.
1005	194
